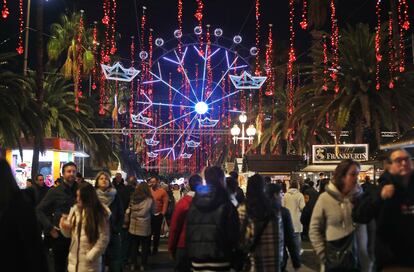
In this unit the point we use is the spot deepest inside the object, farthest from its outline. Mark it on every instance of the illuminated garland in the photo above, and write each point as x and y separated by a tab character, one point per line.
20	48
304	22
391	61
378	55
95	54
180	23
257	65
292	57
334	46
105	21
113	28
199	17
404	25
269	64
131	100
79	56
5	10
325	63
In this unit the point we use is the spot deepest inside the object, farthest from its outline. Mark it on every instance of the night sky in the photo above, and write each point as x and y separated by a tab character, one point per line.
233	16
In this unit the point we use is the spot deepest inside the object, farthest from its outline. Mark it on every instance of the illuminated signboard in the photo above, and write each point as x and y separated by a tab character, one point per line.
337	153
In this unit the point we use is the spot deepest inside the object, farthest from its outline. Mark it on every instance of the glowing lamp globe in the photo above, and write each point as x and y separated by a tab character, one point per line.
251	131
201	108
235	130
243	118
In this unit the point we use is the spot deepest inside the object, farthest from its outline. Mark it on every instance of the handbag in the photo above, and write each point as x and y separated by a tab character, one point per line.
341	255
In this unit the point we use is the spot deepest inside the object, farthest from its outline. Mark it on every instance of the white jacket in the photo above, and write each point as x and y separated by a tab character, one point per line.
83	256
294	201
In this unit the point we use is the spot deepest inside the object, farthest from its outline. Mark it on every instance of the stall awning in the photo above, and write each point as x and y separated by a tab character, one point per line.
272	164
330	168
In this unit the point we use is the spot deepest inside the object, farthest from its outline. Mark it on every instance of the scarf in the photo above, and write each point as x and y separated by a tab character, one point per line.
106	197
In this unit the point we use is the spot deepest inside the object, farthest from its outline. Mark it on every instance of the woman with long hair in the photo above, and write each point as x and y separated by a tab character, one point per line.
331	231
138	222
261	225
109	197
88	226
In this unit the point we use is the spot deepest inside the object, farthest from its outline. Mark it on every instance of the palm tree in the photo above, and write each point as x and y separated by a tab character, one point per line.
65	43
358	105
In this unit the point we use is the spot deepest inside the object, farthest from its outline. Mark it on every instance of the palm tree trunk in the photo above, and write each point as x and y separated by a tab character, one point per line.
39	82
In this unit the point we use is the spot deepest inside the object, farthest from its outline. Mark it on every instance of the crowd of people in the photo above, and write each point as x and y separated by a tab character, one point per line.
212	224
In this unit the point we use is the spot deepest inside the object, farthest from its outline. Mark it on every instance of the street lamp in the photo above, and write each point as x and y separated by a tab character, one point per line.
250	131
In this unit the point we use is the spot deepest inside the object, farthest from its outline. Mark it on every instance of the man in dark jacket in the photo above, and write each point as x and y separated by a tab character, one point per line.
392	206
118	182
212	225
239	192
311	196
58	201
40	188
125	195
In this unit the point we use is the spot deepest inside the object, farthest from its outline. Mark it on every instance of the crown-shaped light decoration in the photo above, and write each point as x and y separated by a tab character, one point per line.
207	122
152	154
119	73
192	143
247	81
186	155
139	119
151	142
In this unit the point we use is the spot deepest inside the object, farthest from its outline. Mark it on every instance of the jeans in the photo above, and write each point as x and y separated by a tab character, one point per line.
182	262
60	248
136	241
156	222
298	241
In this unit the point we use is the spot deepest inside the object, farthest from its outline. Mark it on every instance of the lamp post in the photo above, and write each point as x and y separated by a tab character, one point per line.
250	132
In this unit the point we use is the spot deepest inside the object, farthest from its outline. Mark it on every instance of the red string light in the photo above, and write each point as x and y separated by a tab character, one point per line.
391	59
105	21
199	17
269	65
180	23
113	28
5	10
131	99
325	63
405	22
257	65
334	46
292	57
304	22
402	15
20	48
95	54
378	55
79	55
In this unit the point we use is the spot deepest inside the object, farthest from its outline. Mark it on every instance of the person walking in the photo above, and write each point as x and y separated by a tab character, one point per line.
176	239
138	223
161	198
118	182
310	196
21	246
392	207
331	231
40	188
212	232
58	201
109	197
294	201
125	195
261	229
274	192
88	227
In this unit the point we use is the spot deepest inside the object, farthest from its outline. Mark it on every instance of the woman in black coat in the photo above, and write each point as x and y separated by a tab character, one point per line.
21	246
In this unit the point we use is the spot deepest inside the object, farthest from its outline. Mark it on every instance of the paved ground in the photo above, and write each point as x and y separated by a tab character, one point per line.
162	262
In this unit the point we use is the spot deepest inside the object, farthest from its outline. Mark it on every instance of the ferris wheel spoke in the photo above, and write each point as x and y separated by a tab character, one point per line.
224	97
175	120
180	63
179	138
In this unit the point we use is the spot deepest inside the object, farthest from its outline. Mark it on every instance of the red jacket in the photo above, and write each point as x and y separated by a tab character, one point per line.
179	224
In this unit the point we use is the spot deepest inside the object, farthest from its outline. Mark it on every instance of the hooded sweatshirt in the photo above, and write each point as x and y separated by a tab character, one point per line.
331	218
138	215
294	201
